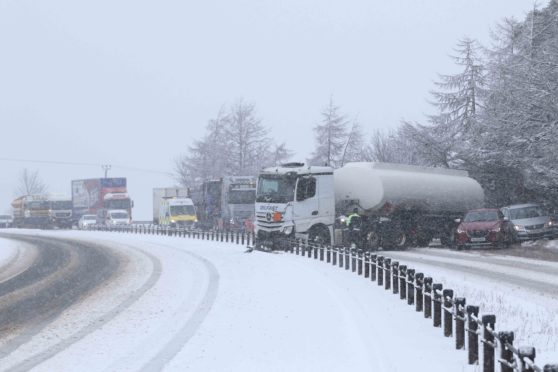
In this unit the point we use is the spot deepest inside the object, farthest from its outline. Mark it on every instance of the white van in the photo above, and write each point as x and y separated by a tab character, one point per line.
114	217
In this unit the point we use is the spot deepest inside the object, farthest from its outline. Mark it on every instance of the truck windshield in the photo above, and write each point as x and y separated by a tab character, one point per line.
61	205
242	196
176	210
117	204
36	205
119	215
275	189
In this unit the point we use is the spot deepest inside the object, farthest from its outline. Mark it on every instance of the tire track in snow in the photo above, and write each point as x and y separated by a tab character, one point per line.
39	358
188	330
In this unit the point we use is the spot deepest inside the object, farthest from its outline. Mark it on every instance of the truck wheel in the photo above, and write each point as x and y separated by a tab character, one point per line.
319	235
371	241
400	241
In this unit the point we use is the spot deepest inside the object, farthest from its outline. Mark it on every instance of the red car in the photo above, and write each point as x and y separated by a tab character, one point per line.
484	227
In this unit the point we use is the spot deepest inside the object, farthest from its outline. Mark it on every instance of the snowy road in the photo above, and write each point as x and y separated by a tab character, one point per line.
528	274
177	304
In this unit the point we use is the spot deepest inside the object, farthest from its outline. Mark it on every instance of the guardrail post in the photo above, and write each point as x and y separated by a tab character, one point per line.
402	282
437	298
328	253
428	297
373	264
473	339
506	355
387	280
353	260
341	251
395	274
526	352
419	282
488	343
334	256
360	261
347	258
380	267
448	312
366	264
460	323
410	286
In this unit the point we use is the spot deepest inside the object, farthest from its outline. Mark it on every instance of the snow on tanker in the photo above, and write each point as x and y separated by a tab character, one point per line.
397	204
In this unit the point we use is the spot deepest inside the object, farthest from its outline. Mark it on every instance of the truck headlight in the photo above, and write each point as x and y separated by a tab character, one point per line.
173	221
519	227
287	230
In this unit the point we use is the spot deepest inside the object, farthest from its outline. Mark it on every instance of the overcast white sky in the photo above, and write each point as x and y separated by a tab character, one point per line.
133	82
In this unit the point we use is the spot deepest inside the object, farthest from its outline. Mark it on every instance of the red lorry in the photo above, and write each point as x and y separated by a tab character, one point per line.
99	195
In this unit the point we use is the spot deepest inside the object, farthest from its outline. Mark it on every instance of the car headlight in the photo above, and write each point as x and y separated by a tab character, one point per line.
287	230
173	221
519	227
496	229
549	224
460	230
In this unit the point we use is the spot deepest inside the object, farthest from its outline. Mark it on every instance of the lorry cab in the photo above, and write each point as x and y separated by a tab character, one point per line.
294	200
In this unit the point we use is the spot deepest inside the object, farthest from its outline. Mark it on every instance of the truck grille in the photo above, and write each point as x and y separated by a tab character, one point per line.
534	227
265	221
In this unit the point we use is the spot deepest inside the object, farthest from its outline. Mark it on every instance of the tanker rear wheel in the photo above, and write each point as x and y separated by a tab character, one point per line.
371	241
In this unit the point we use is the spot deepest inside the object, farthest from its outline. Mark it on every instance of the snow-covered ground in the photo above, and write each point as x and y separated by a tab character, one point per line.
191	305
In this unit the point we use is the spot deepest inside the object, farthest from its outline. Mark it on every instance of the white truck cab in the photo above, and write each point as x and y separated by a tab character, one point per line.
294	200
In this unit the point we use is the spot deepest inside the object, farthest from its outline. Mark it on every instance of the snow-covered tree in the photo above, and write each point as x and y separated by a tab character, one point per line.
355	148
235	143
247	138
330	137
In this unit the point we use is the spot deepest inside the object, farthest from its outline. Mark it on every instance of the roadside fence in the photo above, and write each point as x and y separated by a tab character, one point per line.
456	318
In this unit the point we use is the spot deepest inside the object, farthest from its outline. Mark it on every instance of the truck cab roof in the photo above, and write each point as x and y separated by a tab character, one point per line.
297	168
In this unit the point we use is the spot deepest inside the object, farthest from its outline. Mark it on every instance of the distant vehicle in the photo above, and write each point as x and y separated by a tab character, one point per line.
161	193
177	212
226	203
93	195
484	227
117	217
60	211
6	220
530	221
87	220
32	211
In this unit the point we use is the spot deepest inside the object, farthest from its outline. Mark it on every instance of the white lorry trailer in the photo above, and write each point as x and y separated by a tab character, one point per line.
398	205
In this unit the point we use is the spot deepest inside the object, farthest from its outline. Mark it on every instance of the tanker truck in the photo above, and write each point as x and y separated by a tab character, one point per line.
398	205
